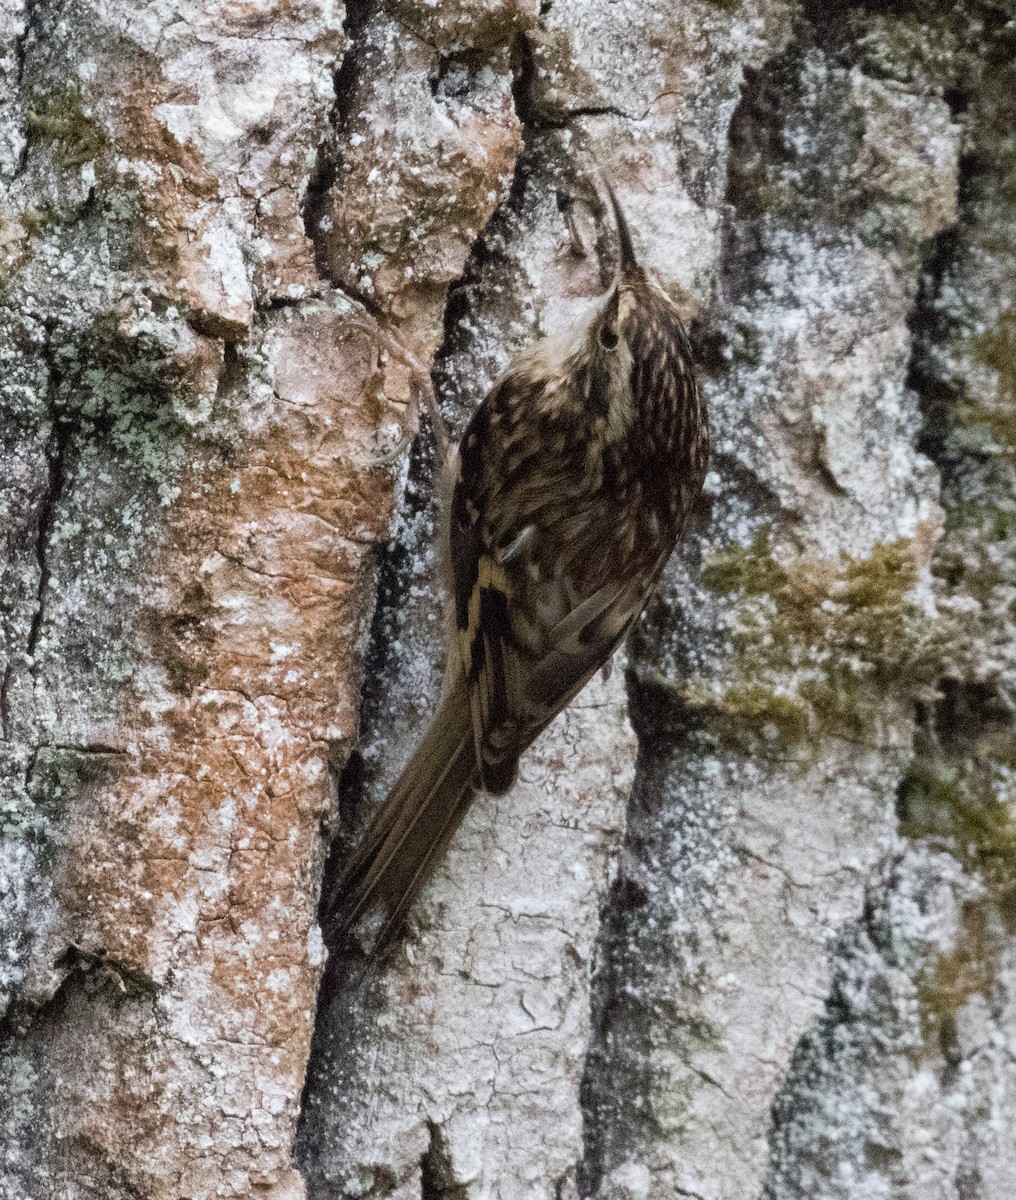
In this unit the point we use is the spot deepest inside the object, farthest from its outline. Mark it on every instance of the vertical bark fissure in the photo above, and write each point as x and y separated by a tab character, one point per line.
32	8
608	1115
329	157
5	699
930	326
57	448
59	441
437	1170
944	803
343	983
34	29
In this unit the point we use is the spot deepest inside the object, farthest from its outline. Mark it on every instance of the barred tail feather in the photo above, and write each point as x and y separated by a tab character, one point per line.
407	835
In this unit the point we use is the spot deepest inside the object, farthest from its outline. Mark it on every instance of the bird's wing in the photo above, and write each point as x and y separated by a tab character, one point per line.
527	649
533	621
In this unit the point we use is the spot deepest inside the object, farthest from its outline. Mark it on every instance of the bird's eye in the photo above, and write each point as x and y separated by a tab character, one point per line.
608	337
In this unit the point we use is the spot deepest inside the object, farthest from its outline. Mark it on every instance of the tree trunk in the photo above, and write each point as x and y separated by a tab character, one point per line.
745	927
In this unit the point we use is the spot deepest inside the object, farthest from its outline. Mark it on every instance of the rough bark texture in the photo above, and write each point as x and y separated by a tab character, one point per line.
747	925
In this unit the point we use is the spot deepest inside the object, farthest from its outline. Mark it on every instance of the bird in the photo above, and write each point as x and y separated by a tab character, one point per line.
570	487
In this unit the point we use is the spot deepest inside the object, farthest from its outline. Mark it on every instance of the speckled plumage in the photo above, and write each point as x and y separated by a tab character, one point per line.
573	481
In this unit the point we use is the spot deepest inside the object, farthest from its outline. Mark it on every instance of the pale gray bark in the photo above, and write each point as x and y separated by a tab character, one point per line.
745	927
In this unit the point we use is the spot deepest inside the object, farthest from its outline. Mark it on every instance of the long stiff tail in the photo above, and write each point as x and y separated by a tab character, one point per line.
406	837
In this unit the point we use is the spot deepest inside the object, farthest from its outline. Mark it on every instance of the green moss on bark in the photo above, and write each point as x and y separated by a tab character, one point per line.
819	643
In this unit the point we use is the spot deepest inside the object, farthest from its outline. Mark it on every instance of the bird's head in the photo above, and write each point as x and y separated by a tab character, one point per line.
635	348
613	328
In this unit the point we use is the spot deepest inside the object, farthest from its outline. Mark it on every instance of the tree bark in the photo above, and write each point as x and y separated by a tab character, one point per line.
744	928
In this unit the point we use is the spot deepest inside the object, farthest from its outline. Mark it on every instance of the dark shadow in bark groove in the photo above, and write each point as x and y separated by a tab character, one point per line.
358	14
436	1175
944	798
634	934
350	1000
59	442
609	1117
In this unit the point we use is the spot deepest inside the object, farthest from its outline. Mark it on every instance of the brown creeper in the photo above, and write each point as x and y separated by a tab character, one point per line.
572	483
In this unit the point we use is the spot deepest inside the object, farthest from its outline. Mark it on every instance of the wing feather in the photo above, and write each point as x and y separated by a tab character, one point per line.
538	604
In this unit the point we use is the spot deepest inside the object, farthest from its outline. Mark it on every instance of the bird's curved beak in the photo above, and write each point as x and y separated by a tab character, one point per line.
628	263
